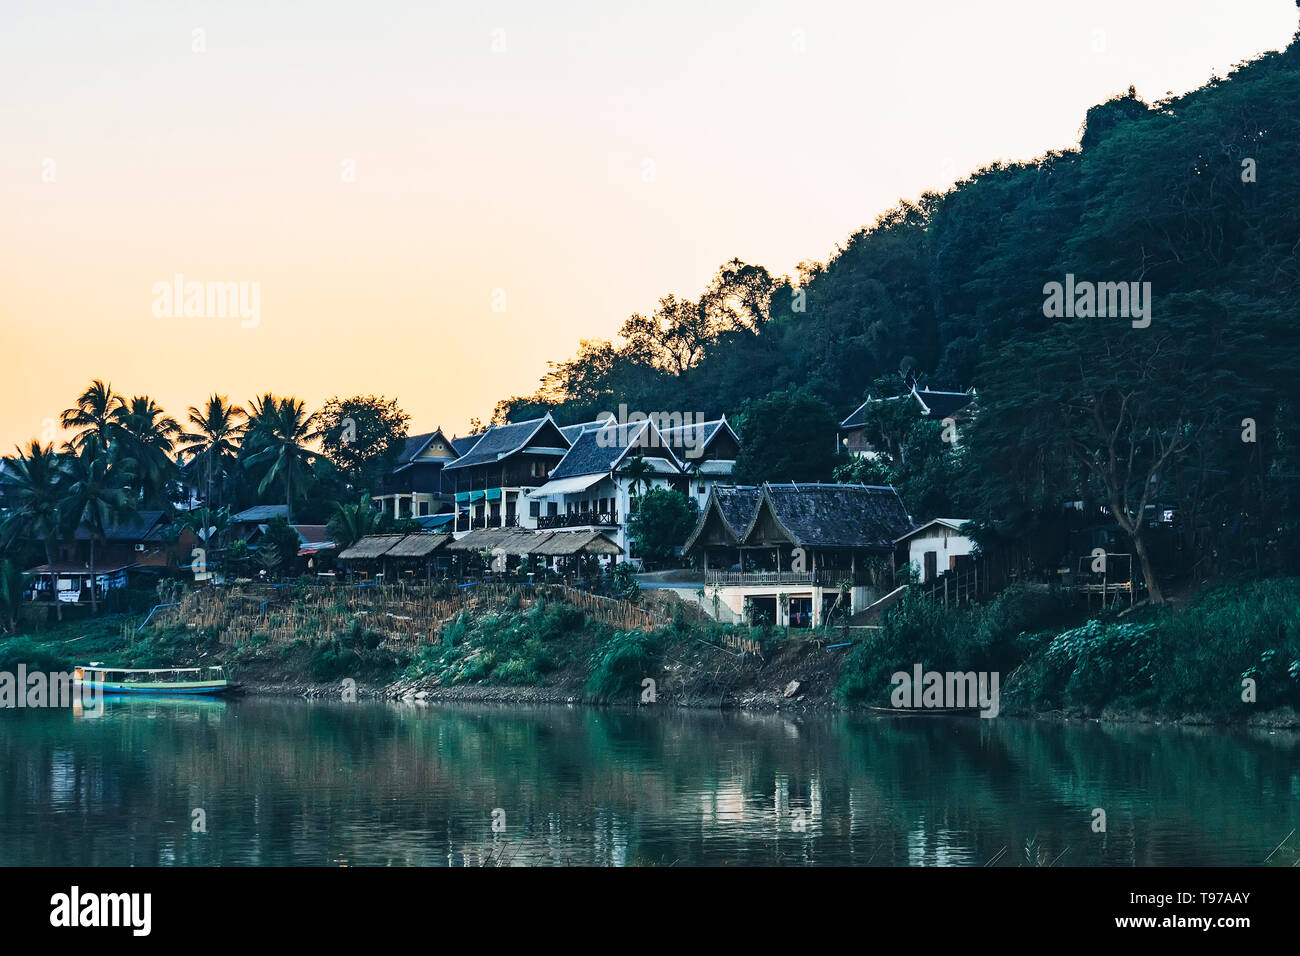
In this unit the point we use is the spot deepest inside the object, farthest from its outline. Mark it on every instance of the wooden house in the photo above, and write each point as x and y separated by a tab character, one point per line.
927	403
592	487
805	549
492	481
415	487
132	552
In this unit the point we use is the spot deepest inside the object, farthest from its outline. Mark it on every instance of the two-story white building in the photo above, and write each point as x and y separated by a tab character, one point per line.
596	484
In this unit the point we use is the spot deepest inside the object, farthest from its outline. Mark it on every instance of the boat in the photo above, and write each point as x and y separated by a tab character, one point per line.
926	711
210	680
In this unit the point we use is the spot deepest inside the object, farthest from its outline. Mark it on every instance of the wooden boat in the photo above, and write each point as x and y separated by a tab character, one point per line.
154	680
926	711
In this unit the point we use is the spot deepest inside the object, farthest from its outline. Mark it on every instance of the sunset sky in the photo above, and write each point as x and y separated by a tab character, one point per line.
583	158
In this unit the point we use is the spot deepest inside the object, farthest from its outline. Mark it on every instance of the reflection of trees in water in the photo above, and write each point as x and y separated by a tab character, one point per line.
290	782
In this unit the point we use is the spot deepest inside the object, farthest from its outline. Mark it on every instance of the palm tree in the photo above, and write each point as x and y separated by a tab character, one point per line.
638	472
93	414
148	435
33	482
98	495
350	523
278	433
219	429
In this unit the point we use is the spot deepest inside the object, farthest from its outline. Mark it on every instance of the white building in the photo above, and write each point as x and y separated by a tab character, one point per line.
606	468
937	546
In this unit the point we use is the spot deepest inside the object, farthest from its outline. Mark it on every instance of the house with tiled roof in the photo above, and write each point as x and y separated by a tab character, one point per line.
414	486
805	550
596	483
491	481
927	403
707	451
141	547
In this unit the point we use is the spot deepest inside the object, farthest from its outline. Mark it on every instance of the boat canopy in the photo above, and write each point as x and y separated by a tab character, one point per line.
149	670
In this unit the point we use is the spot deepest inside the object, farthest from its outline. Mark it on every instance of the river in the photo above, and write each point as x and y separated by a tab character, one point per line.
259	781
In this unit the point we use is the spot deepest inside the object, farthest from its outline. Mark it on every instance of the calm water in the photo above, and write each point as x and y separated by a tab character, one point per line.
290	782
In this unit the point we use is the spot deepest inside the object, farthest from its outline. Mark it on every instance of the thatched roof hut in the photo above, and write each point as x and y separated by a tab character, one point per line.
568	543
370	548
516	541
417	546
482	539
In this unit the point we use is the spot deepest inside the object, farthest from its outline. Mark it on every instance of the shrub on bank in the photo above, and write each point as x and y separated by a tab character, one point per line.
620	664
1189	660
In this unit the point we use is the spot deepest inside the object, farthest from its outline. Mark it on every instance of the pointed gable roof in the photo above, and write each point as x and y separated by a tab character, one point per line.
602	448
936	404
499	441
859	416
141	526
462	445
415	445
730	507
697	437
571	432
831	515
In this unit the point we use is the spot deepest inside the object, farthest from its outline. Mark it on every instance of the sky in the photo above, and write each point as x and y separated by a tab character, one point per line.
429	201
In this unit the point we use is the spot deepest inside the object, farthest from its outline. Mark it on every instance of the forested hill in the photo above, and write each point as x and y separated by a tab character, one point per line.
938	286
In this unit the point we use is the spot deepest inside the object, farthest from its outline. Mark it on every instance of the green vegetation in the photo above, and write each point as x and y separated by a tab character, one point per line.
620	664
1190	662
515	646
662	521
918	631
1195	413
1170	662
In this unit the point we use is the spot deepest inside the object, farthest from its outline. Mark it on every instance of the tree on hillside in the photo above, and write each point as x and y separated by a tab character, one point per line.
674	337
663	520
739	298
279	545
352	522
1126	405
278	433
32	482
362	436
786	436
92	415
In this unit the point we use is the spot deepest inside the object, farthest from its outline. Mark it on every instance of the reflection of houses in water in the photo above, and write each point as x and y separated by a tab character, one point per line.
940	847
722	804
795	800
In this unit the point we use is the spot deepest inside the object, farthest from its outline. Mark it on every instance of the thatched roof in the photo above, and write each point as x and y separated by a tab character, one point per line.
481	539
417	545
566	543
520	542
370	547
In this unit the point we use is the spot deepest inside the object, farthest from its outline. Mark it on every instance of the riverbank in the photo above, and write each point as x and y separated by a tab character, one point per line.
1230	656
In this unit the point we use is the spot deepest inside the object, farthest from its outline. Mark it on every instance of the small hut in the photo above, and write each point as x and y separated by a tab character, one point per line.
567	545
414	557
365	555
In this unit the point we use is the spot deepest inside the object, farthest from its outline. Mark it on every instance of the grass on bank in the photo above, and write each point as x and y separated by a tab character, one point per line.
1175	660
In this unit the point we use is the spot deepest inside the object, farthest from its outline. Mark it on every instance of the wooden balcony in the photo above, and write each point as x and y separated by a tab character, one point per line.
822	577
579	519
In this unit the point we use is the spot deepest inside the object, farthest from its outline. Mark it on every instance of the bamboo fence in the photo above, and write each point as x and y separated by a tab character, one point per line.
405	613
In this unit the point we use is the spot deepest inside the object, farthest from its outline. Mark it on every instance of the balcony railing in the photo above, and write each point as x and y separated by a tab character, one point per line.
822	577
466	523
579	519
